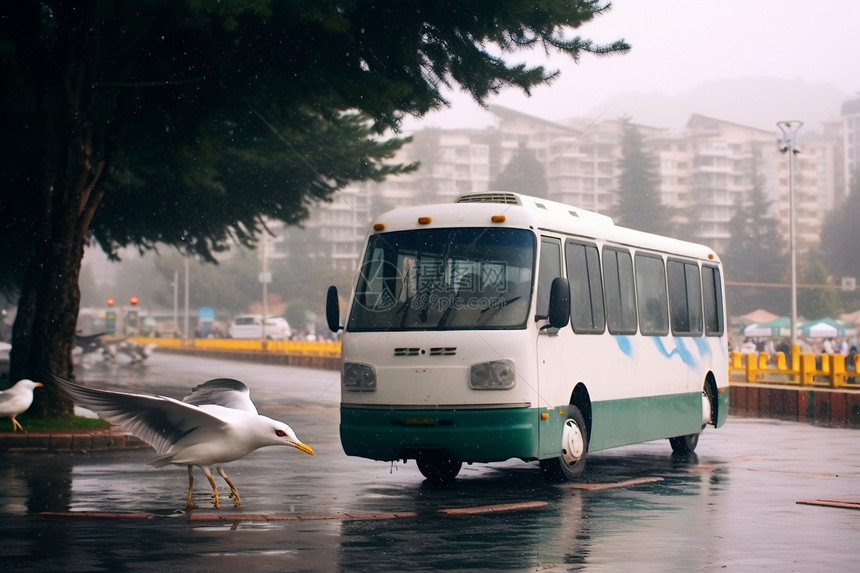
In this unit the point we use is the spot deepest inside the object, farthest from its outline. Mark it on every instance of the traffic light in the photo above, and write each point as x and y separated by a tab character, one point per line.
133	300
110	301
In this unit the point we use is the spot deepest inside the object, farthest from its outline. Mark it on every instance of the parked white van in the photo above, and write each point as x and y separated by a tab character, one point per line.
250	326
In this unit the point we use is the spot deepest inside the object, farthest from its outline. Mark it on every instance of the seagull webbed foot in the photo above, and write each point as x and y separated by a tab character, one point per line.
215	497
233	492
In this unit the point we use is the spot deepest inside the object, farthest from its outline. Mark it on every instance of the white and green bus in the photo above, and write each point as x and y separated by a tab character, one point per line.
506	326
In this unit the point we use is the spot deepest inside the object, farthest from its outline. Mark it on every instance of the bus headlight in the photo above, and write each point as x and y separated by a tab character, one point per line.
493	375
358	377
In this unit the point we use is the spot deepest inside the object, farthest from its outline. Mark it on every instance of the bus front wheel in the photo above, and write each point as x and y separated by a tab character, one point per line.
438	466
574	447
684	444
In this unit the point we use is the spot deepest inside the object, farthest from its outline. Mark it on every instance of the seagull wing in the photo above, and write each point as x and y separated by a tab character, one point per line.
157	420
222	392
9	401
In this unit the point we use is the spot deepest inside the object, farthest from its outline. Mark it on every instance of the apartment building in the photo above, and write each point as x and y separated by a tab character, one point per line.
721	160
850	121
707	169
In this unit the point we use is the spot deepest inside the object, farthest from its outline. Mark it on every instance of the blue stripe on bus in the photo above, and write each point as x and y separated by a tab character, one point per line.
624	344
680	349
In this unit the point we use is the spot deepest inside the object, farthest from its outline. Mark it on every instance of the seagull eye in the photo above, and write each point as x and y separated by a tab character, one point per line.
280	433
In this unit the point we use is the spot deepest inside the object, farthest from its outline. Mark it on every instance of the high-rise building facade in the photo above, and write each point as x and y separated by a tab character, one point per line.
706	171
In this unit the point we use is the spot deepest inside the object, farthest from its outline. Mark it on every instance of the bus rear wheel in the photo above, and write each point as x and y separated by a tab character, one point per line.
438	466
574	447
683	445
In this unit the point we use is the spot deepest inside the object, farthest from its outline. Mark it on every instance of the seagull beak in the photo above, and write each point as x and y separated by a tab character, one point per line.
38	384
303	447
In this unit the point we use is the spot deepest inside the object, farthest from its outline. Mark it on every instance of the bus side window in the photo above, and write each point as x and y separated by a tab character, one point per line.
712	290
586	289
550	269
685	298
651	296
620	297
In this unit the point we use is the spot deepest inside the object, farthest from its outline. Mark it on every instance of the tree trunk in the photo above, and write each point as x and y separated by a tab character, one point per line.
44	329
43	335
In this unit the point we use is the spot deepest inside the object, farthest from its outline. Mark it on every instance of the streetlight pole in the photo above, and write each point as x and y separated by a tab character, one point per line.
787	144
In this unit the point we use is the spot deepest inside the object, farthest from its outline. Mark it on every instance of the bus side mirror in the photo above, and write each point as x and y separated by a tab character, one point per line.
559	303
332	309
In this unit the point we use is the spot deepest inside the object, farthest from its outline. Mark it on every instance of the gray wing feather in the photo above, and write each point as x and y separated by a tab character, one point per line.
225	392
157	420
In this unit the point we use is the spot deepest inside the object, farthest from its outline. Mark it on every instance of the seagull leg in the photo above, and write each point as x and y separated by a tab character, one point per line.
16	425
212	483
190	504
233	493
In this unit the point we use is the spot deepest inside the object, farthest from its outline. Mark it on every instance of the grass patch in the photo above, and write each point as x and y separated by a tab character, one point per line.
67	423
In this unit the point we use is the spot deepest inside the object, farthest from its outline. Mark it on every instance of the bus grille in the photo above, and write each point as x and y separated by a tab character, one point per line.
436	351
443	351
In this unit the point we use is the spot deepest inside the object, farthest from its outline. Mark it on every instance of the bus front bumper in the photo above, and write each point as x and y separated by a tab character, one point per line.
467	435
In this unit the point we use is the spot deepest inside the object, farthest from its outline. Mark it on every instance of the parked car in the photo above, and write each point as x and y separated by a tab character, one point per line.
249	326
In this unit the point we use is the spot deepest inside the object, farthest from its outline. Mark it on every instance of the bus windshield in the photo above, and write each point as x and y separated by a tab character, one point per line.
445	279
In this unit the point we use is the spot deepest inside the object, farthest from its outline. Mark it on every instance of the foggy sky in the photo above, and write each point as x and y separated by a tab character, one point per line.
680	44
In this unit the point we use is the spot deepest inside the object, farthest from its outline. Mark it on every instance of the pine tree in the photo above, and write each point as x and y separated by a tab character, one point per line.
840	236
756	251
639	205
186	123
523	174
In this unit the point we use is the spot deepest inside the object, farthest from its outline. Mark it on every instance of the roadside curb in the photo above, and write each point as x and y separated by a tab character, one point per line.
83	441
277	358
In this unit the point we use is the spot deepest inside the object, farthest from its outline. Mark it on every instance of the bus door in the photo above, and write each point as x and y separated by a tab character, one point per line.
550	352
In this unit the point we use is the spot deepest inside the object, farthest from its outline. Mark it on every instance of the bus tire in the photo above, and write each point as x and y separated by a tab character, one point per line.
438	466
574	447
682	445
709	394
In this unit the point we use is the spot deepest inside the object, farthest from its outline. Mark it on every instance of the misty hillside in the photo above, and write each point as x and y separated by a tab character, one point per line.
754	101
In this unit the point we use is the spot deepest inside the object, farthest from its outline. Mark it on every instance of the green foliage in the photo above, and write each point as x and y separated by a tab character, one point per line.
639	206
60	424
523	174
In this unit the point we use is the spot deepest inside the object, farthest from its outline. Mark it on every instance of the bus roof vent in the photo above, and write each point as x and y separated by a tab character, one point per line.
497	197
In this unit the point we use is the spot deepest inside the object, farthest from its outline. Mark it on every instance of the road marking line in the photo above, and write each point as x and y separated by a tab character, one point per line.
494	508
831	503
613	485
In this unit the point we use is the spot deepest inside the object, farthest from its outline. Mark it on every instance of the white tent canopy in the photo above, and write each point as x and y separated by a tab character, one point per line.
822	330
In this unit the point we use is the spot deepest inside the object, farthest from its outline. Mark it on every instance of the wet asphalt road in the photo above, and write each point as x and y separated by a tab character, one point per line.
733	507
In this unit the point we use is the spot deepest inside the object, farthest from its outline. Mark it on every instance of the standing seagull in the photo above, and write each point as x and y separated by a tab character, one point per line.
16	400
215	424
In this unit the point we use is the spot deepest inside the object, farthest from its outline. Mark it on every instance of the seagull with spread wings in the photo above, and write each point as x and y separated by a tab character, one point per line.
215	424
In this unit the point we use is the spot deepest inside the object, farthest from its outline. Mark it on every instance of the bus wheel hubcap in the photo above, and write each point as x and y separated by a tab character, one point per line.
572	444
